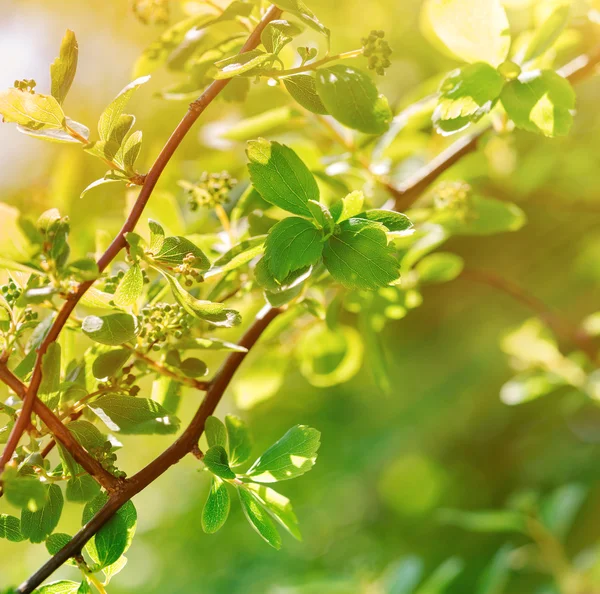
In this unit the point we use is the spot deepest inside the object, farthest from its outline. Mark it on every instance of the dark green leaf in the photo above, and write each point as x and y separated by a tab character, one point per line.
113	329
259	518
193	367
132	415
55	542
37	526
107	364
216	508
293	455
217	462
82	488
280	176
392	221
240	443
350	96
10	528
303	88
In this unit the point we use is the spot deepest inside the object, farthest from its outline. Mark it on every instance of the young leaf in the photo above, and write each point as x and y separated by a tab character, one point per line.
439	268
62	70
240	254
540	101
547	33
392	221
348	207
303	88
130	288
132	415
130	150
216	508
292	244
472	30
31	110
280	176
240	443
293	455
305	14
217	462
322	216
174	249
111	115
359	257
466	95
259	518
37	526
82	488
247	63
278	506
60	587
108	363
350	96
112	330
157	236
277	34
215	432
10	528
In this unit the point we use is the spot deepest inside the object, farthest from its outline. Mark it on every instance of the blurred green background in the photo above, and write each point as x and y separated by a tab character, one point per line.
388	462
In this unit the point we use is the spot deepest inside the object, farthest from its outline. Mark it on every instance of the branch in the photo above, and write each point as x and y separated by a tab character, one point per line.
185	444
58	429
407	193
119	242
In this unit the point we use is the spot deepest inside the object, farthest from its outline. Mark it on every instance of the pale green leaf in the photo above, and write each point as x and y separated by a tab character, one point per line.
240	443
31	110
278	506
247	63
130	288
348	207
62	70
303	88
113	329
305	14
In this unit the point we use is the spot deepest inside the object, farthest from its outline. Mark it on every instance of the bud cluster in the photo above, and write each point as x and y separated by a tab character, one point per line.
27	85
211	189
377	51
107	457
125	383
112	282
11	292
159	321
188	271
152	12
453	196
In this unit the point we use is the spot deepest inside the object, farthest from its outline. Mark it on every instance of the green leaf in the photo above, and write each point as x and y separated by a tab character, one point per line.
193	367
466	95
545	35
60	587
62	70
130	288
486	521
292	244
88	435
540	101
240	254
112	114
349	206
216	508
247	63
240	443
130	150
49	389
99	182
472	30
216	433
359	257
214	313
259	518
350	96
303	88
134	416
82	488
293	455
280	176
37	526
174	249
278	506
439	268
107	364
157	236
10	528
26	492
392	221
439	581
305	14
322	216
217	462
277	34
33	111
113	329
55	542
560	508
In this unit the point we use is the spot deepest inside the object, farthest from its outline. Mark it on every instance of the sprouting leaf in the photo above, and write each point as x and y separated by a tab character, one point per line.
62	70
350	96
391	220
60	587
216	508
174	250
130	288
359	257
240	443
540	101
31	110
157	236
349	206
293	455
303	88
214	313
259	518
292	244
133	415
439	268
37	525
111	115
217	461
466	95
247	63
99	182
112	329
240	254
305	14
281	177
130	150
278	506
215	431
277	34
322	216
471	30
10	528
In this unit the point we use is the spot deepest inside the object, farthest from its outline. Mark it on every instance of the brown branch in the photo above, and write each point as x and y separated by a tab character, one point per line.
119	242
407	193
59	430
186	443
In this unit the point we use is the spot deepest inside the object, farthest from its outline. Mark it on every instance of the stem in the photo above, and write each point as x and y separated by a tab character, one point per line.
119	242
313	65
